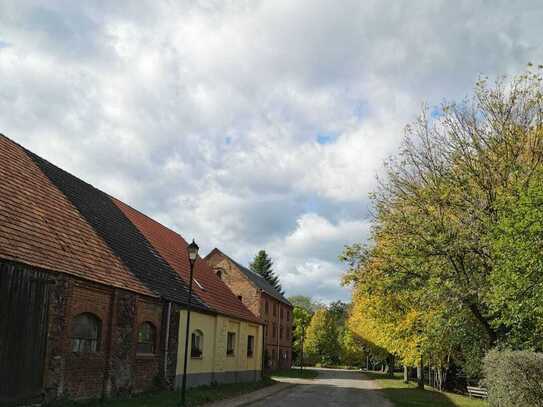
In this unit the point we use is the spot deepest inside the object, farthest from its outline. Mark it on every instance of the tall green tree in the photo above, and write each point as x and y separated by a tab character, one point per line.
322	344
305	302
263	265
339	311
301	319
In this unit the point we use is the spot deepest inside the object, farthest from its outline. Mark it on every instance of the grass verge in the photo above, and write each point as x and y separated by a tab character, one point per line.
408	395
196	396
295	373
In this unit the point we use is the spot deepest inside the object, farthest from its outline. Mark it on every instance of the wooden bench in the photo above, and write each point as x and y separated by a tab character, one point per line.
477	392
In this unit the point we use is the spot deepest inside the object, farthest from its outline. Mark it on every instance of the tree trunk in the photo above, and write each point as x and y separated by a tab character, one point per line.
405	374
390	365
493	336
420	374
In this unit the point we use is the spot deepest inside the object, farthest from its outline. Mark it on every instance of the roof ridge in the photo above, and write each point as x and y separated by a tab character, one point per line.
149	217
99	210
27	151
282	297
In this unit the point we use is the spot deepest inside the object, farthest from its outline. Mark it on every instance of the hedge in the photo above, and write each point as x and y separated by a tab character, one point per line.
514	378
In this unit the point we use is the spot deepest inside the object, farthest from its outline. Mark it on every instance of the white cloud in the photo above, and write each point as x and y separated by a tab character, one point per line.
206	114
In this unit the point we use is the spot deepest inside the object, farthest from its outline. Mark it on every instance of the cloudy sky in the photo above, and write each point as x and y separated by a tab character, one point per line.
247	124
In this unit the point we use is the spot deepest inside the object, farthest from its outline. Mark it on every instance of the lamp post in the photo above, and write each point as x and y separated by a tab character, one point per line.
193	255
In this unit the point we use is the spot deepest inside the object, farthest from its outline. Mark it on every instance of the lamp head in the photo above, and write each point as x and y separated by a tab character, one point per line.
193	251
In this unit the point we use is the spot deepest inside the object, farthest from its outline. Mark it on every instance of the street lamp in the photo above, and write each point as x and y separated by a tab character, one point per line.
192	250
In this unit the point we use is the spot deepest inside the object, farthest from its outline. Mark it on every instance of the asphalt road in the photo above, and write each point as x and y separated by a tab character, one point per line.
333	387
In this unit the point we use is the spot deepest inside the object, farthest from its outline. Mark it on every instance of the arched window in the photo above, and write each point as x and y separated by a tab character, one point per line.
219	272
146	338
197	344
86	333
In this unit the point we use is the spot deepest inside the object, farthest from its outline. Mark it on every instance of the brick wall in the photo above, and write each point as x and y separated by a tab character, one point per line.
115	369
277	345
147	368
238	284
84	373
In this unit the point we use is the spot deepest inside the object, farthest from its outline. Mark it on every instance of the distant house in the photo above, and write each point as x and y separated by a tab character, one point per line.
264	301
93	295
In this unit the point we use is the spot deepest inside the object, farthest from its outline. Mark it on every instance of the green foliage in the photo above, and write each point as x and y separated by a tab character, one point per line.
514	379
301	320
454	265
263	265
321	344
352	350
306	302
517	282
339	311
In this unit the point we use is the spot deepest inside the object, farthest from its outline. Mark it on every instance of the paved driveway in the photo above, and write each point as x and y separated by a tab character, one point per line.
333	387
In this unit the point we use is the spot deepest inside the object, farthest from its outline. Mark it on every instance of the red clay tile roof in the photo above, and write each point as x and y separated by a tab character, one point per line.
120	234
39	226
53	220
173	248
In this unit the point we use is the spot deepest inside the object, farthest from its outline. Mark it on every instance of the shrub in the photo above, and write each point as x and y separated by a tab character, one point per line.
514	379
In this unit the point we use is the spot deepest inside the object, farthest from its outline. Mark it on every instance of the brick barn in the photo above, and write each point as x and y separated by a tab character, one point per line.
92	294
264	301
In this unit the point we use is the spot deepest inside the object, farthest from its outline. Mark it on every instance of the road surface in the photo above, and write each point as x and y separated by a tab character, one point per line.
333	387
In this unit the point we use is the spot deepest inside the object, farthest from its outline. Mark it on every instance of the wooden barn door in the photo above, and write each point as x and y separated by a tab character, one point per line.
23	331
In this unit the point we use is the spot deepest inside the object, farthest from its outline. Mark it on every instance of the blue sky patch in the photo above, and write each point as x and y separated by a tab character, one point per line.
436	112
326	137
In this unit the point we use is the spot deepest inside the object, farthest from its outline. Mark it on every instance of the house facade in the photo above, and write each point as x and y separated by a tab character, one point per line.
93	295
264	301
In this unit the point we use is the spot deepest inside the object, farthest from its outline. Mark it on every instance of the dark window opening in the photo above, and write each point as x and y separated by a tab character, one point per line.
250	345
231	343
146	338
86	333
197	344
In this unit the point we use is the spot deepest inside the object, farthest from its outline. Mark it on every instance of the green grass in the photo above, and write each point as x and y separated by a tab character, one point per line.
295	373
407	395
196	396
